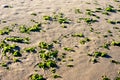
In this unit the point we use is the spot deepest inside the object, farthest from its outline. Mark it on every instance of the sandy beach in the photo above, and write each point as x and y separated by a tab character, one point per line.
60	39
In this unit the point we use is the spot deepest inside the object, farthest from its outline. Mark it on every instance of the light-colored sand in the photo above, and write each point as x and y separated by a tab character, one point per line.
20	13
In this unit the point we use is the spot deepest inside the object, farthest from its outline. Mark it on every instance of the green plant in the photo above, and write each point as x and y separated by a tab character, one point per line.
92	13
78	11
91	29
118	22
70	59
109	31
94	60
31	49
47	64
3	44
44	45
35	28
17	54
42	65
114	43
70	65
115	27
105	78
105	12
51	63
5	30
106	45
99	9
56	41
16	60
34	14
83	41
56	76
53	70
18	39
49	55
103	54
63	26
4	65
90	20
110	9
47	18
10	49
111	22
100	54
37	77
4	21
68	49
60	18
114	61
78	35
23	29
63	20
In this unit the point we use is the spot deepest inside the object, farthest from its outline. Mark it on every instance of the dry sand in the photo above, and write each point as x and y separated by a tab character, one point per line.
20	13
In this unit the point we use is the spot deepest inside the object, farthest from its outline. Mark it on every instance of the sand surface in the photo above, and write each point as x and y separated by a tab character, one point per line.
19	12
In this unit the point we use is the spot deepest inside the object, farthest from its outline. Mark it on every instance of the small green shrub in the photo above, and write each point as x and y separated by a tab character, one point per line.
93	60
16	60
78	35
17	54
51	63
70	65
114	43
42	65
53	70
34	14
114	61
63	20
35	28
60	18
5	30
77	11
18	39
31	49
106	45
83	41
47	64
47	17
90	20
68	49
105	78
23	29
111	22
6	48
110	9
44	45
91	29
105	13
37	77
3	64
49	55
63	26
100	54
56	76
